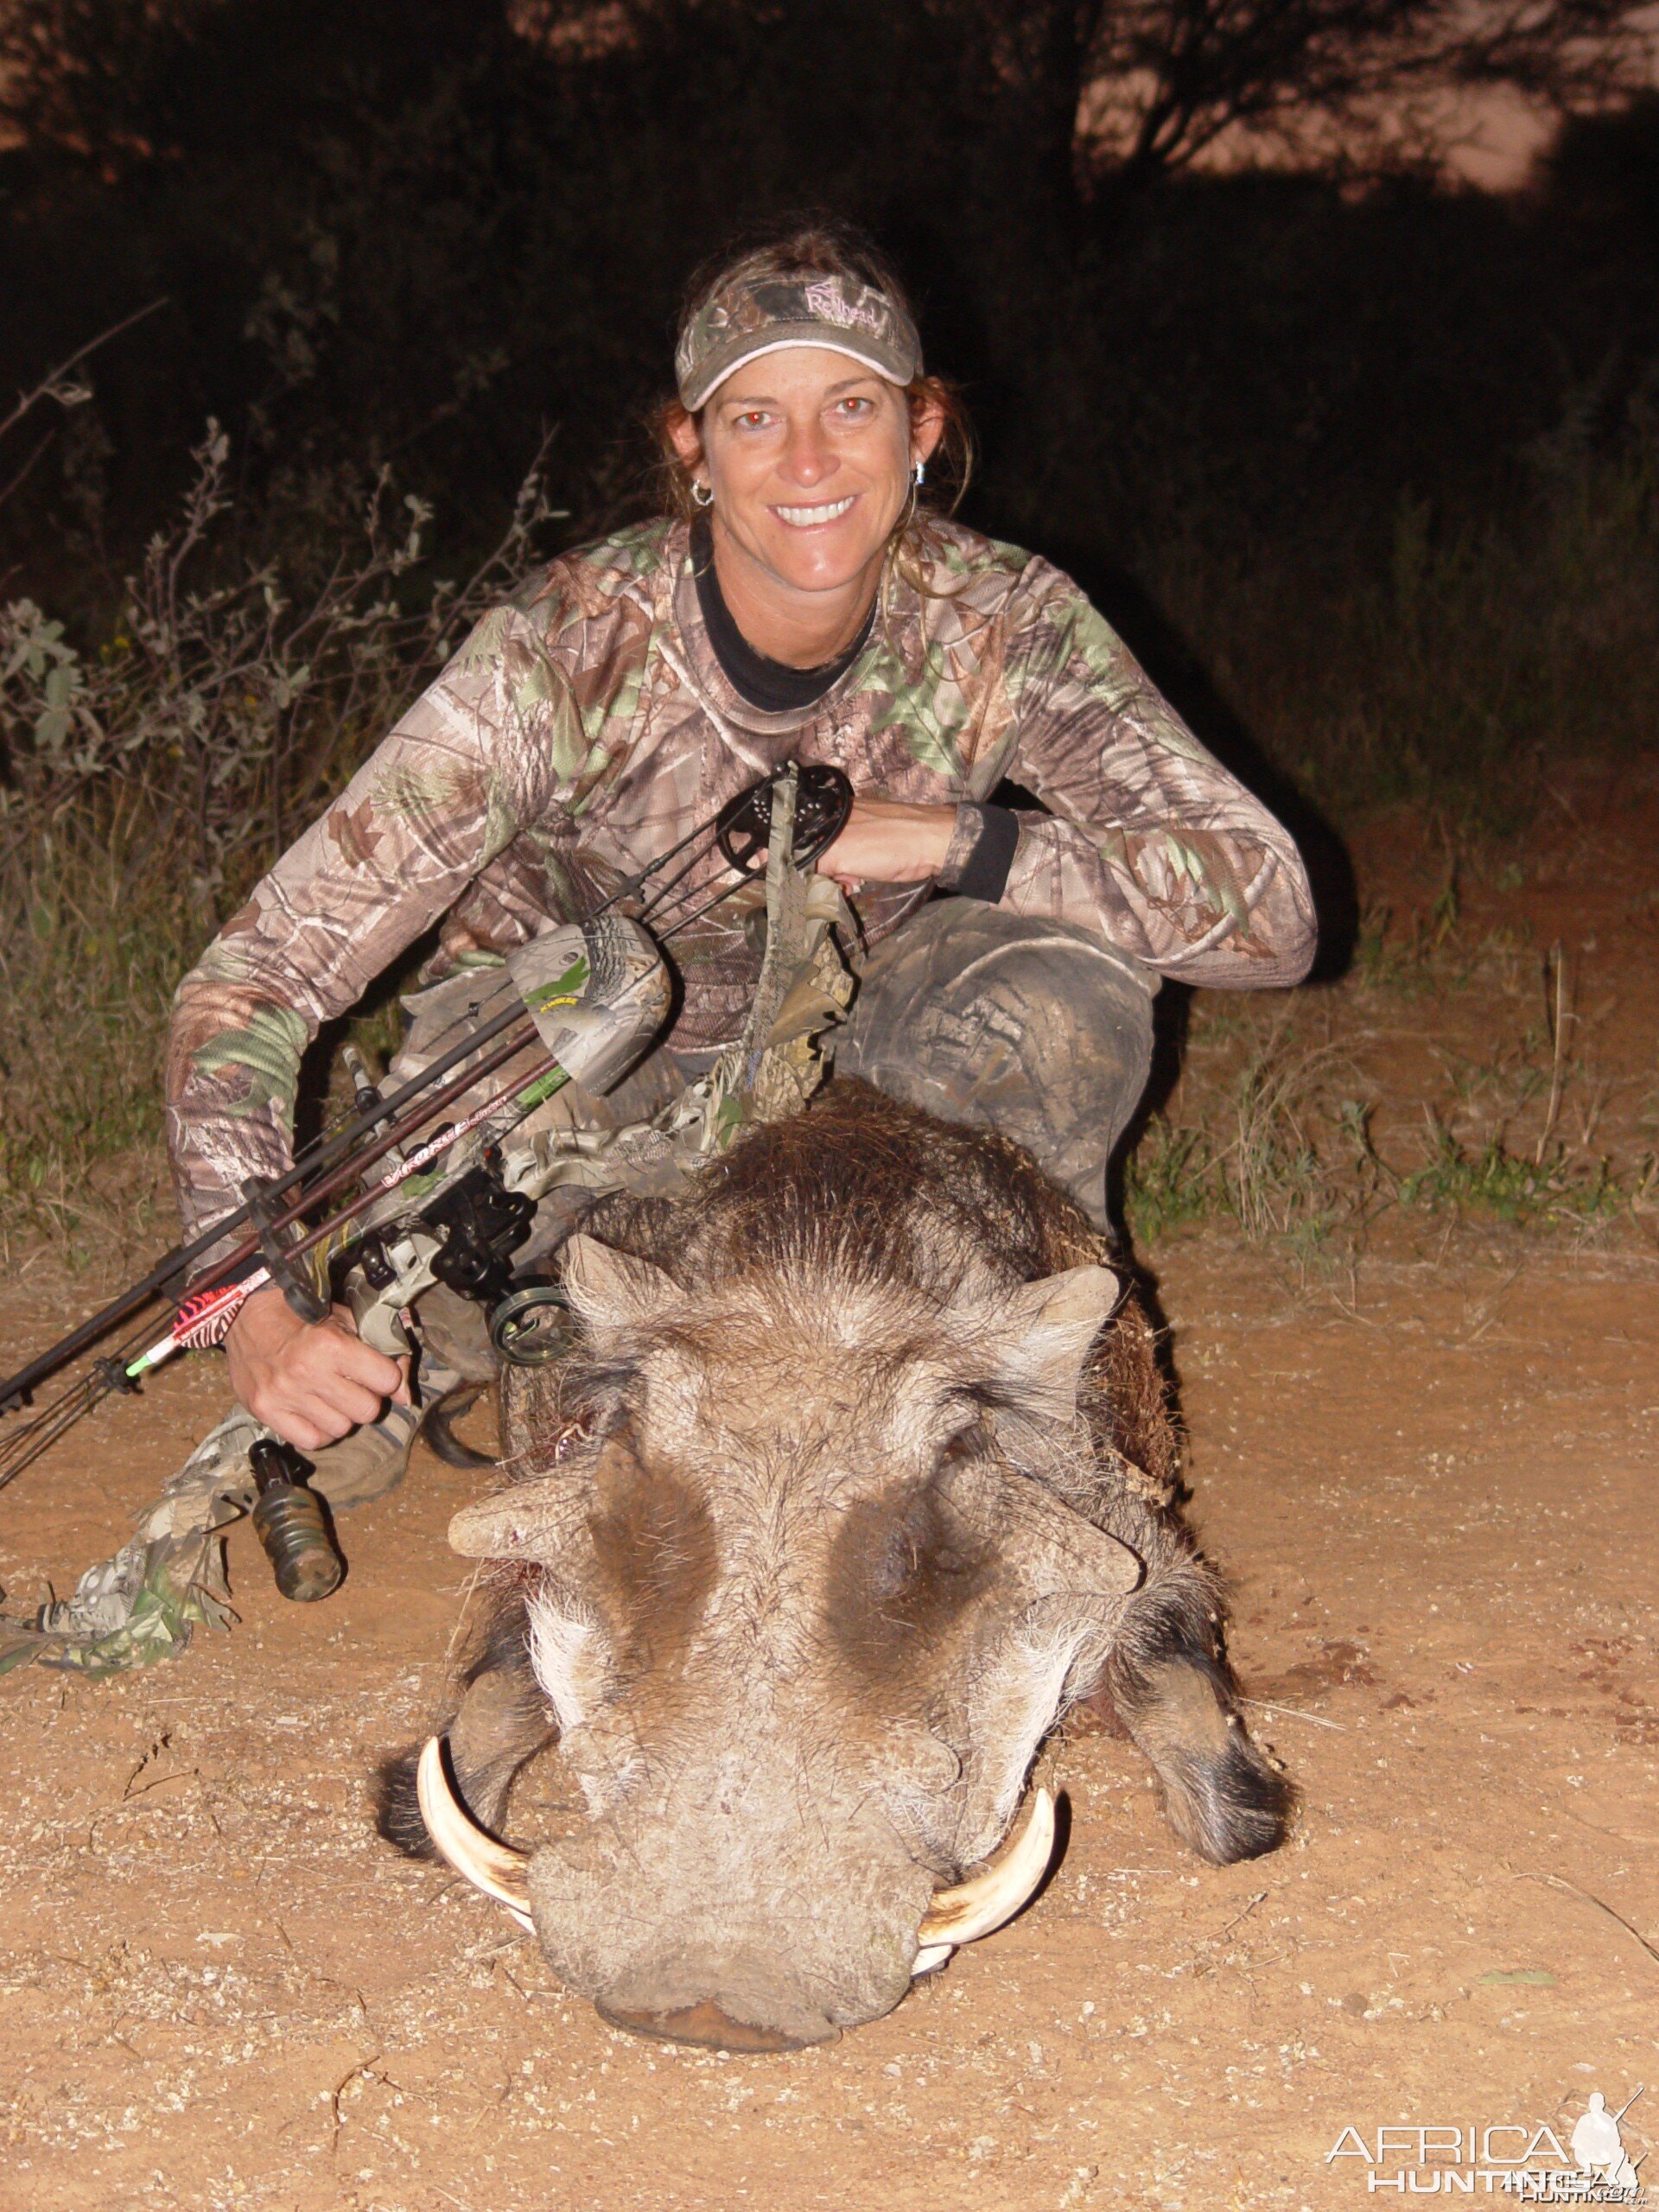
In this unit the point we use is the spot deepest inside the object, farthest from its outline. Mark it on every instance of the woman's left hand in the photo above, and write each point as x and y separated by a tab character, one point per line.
886	841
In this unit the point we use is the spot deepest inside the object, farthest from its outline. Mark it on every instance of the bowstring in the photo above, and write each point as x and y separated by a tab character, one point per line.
38	1434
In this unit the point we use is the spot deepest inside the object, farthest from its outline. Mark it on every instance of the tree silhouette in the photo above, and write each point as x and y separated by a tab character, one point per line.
382	222
1092	91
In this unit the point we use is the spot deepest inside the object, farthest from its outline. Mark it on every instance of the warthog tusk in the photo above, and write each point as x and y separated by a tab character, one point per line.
974	1909
493	1867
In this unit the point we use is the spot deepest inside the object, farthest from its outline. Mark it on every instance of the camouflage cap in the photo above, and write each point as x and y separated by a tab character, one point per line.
756	311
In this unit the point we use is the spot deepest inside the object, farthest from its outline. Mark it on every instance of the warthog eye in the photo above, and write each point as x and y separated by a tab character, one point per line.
653	1553
903	1570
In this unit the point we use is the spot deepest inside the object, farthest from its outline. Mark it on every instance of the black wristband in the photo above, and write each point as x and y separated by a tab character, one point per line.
986	875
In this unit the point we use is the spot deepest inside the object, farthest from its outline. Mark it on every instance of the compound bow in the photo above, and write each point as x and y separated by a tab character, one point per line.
465	1228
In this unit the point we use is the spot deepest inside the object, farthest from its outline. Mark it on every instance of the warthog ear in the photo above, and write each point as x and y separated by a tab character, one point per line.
611	1289
1039	1339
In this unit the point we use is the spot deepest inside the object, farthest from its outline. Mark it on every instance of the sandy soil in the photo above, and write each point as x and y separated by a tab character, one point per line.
1431	1484
217	1988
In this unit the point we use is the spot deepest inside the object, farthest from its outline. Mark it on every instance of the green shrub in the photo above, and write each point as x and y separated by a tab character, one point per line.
150	778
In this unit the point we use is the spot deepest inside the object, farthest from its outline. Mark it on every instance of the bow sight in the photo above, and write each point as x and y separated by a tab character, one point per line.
585	1001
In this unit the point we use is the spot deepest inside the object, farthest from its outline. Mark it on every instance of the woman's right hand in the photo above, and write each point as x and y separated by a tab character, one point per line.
310	1381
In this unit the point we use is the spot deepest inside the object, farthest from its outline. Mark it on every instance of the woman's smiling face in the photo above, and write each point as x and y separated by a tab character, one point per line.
809	456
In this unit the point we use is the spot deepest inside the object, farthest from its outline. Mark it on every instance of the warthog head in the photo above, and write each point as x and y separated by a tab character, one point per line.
812	1582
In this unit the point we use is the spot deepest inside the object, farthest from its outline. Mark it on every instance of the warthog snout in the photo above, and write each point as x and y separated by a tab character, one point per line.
673	1937
850	1958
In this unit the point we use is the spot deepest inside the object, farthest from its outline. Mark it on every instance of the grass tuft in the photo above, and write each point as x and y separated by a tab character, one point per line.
1309	1144
148	777
1492	1181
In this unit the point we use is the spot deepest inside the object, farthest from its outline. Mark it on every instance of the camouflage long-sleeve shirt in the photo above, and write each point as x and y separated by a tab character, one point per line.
586	726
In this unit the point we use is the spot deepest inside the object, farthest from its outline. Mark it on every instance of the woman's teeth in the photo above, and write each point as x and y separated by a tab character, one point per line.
804	518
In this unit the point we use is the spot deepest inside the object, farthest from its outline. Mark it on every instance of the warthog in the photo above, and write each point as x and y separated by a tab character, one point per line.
860	1473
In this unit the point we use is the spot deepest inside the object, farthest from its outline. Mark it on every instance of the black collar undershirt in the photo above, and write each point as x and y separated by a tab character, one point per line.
772	685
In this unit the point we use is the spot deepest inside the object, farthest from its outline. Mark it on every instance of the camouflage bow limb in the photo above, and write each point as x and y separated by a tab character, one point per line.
805	986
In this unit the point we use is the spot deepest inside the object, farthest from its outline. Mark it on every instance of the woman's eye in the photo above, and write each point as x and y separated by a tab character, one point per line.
857	408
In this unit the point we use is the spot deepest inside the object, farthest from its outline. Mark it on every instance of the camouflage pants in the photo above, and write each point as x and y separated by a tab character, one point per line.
1033	1028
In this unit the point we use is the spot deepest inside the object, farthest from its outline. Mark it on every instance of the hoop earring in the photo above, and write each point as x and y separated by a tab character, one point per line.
702	495
918	474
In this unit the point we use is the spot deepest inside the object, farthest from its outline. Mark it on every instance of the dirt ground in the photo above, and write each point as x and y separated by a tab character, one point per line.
1431	1482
